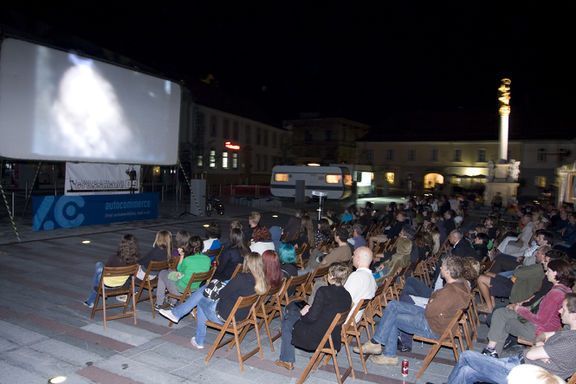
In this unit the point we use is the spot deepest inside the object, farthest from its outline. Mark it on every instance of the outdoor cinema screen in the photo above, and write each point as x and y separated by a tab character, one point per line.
56	105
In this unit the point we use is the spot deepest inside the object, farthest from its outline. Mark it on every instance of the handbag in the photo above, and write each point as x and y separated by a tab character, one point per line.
213	288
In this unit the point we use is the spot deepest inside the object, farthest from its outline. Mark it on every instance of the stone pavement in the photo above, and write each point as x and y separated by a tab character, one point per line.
45	330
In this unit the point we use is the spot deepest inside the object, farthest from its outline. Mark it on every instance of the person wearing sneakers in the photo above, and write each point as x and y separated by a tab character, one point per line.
410	318
251	280
553	351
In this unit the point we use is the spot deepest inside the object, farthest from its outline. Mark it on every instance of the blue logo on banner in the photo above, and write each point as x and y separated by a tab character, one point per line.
51	212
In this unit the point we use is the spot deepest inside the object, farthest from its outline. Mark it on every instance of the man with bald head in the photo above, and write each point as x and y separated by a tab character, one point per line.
361	283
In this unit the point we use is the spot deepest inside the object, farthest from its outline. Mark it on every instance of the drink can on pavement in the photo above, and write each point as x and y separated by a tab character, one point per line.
404	367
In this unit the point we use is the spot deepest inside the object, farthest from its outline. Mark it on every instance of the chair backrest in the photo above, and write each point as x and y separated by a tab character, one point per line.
299	282
319	272
214	253
119	271
236	271
241	303
360	306
299	252
156	266
197	277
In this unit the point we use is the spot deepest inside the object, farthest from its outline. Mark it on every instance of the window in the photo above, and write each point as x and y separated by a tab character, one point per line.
258	135
481	156
213	126
248	134
226	129
274	140
389	177
281	177
329	135
235	130
258	164
390	154
225	160
434	154
234	160
200	161
541	155
540	181
212	158
457	155
333	179
265	140
411	155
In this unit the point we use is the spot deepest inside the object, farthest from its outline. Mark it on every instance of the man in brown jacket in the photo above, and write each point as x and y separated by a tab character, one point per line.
427	322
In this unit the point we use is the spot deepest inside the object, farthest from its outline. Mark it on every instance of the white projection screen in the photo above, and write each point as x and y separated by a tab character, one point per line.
56	105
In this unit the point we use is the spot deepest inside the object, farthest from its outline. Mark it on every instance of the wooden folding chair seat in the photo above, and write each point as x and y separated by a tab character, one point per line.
148	284
445	340
237	327
327	350
105	292
298	282
268	308
198	277
421	272
318	273
353	329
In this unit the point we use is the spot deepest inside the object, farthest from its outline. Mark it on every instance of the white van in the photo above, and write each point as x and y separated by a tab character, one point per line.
335	182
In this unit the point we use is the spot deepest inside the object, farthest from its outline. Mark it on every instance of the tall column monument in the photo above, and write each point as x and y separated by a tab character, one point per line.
503	173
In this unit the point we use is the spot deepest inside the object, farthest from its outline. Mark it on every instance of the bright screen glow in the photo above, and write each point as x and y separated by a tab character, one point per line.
60	106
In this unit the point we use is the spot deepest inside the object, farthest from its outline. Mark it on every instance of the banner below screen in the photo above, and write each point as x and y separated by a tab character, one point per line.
52	212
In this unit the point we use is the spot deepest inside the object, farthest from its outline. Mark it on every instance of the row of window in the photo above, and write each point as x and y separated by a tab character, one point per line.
411	155
227	160
231	131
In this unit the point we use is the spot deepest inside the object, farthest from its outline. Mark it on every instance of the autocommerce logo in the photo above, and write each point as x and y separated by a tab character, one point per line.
64	212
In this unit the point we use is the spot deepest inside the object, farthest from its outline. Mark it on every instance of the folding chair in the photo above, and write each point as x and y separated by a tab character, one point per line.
354	329
329	351
375	307
318	273
198	277
299	252
298	282
268	308
149	284
105	292
446	340
237	327
214	253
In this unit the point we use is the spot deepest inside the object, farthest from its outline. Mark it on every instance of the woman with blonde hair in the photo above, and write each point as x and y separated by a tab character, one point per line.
251	280
161	250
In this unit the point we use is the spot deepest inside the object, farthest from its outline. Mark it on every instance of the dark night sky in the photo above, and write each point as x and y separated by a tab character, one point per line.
368	63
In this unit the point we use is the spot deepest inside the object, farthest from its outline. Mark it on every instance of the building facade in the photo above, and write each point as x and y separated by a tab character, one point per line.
415	166
225	148
325	140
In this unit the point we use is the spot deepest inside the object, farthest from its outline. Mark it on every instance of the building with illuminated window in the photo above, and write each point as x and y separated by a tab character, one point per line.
226	148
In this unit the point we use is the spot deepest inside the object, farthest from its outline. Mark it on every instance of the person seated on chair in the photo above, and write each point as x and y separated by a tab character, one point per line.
213	238
161	250
191	261
401	256
252	280
428	322
504	262
520	321
357	240
304	328
340	254
127	254
553	351
261	240
525	278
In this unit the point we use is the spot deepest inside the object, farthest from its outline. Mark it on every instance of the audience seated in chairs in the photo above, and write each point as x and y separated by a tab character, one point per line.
553	351
428	322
